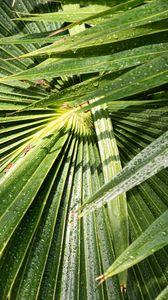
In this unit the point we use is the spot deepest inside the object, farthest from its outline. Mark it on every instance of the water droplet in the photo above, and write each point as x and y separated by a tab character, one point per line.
164	233
95	83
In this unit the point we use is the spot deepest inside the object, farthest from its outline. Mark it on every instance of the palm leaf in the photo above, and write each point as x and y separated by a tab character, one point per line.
117	210
147	163
153	239
163	294
54	154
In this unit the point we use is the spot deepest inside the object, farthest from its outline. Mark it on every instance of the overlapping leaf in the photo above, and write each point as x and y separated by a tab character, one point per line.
48	173
147	163
154	238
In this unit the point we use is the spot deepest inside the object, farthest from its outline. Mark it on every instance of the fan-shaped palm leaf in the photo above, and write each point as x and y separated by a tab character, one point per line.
77	102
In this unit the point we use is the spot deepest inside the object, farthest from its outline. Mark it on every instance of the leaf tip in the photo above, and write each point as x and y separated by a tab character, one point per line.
101	279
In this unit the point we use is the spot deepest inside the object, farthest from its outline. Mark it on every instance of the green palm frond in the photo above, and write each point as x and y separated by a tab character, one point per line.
163	294
84	122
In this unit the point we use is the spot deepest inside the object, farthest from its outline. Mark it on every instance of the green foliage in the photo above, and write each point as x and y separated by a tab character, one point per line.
84	149
148	162
154	238
163	295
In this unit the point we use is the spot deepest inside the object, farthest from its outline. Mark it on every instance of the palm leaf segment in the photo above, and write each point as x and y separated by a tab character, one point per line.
98	102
